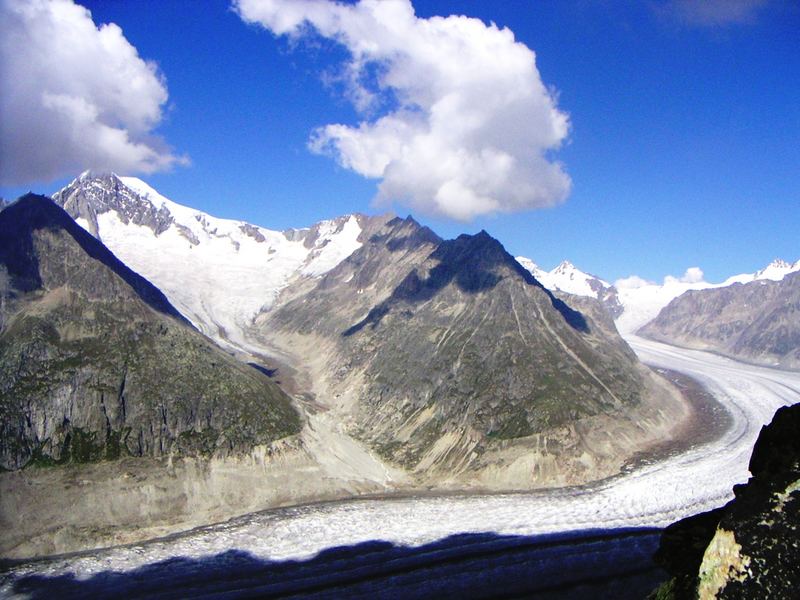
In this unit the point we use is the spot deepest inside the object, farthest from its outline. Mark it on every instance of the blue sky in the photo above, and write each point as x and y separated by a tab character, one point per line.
683	146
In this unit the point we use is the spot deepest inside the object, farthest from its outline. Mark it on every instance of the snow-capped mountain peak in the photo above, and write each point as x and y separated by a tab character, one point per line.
220	273
566	277
777	270
565	267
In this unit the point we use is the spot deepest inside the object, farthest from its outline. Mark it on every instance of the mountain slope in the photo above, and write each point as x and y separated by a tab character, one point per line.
96	363
449	359
757	321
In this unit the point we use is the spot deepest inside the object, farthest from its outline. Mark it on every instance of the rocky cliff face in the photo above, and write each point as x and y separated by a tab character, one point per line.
92	195
96	363
758	321
749	548
448	357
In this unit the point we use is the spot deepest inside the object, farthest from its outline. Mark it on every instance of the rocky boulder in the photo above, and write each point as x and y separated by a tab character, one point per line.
749	548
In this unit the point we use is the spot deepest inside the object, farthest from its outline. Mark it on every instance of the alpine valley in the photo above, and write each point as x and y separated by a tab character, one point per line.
163	369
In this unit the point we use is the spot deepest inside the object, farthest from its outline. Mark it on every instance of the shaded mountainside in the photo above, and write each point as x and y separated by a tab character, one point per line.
96	363
448	356
758	321
750	548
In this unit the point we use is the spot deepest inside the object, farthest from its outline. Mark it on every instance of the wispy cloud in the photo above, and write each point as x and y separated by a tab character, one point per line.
471	124
712	13
74	96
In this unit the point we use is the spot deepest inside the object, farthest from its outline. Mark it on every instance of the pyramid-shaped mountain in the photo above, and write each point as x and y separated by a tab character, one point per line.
450	358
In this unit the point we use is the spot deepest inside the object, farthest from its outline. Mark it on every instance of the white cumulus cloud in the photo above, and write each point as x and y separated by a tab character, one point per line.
633	282
692	275
74	96
471	126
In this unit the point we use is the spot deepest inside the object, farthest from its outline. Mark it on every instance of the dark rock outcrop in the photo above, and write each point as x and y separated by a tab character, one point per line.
749	548
96	363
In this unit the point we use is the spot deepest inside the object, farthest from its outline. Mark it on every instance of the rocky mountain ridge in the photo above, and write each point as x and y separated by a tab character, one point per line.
757	322
96	363
449	359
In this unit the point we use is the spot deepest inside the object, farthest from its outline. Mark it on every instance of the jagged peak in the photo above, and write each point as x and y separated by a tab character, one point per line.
777	269
565	266
779	263
94	175
474	249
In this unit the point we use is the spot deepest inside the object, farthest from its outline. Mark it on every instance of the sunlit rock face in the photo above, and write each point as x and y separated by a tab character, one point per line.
757	321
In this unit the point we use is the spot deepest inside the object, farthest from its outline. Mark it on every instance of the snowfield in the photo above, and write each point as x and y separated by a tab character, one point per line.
651	496
230	270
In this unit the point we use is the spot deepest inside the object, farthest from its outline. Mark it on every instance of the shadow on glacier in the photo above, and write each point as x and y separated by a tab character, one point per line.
587	564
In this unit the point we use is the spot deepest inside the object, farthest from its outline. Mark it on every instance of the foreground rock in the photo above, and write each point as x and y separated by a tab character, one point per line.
749	548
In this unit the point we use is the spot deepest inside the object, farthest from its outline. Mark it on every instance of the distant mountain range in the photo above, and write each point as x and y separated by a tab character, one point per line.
642	300
757	321
637	303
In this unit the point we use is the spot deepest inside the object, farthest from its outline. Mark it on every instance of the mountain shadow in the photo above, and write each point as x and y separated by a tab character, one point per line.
32	212
595	563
